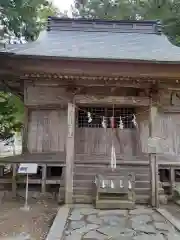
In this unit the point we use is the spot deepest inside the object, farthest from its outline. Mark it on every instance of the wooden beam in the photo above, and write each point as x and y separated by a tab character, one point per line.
109	100
70	154
84	81
170	109
94	67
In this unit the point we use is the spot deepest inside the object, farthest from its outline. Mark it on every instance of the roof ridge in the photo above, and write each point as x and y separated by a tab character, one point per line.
98	25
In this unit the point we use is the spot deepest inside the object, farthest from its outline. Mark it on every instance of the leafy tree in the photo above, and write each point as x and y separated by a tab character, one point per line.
10	122
19	18
25	17
167	11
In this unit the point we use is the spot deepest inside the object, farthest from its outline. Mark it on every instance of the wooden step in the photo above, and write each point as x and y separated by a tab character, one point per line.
119	170
89	183
91	176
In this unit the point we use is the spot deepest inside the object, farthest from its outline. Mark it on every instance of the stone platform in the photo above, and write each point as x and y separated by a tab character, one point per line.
142	223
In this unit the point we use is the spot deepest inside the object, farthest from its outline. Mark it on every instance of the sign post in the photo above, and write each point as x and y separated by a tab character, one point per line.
27	168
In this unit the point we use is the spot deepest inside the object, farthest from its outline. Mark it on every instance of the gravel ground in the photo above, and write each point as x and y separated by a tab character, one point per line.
32	225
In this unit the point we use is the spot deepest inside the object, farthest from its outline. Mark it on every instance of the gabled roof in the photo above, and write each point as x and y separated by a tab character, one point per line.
101	39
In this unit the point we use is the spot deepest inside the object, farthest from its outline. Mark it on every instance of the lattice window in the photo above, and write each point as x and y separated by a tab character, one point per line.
97	114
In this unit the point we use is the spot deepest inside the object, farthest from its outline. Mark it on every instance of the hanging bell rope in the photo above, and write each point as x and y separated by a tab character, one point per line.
113	153
113	158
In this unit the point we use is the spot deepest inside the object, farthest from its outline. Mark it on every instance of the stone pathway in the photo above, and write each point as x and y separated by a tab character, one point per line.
142	223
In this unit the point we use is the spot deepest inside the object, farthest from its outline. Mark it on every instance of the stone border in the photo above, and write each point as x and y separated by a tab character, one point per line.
57	229
169	217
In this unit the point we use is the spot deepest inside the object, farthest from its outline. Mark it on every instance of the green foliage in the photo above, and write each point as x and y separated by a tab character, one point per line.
167	11
19	18
10	119
25	17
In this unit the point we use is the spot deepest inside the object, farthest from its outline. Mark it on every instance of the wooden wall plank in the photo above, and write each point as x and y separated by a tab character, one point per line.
47	131
98	141
43	95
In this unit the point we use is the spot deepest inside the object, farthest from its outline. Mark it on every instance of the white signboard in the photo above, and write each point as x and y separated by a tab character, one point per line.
28	168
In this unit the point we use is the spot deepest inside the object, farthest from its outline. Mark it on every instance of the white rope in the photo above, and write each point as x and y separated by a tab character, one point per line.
121	184
129	185
104	122
113	157
134	121
112	184
121	125
89	117
103	184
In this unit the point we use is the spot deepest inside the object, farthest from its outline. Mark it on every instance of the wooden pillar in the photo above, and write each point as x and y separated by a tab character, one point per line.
14	183
172	180
25	130
152	155
70	154
44	176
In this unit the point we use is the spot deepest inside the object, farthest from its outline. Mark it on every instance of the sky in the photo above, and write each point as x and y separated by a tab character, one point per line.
63	5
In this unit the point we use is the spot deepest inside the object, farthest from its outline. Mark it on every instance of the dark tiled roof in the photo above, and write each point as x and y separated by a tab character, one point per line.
79	38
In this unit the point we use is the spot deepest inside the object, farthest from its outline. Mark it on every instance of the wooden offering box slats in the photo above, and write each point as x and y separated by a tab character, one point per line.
115	191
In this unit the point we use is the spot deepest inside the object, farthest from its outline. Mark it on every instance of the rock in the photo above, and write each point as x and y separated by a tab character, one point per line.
86	211
94	219
73	236
113	212
173	236
163	226
114	221
157	217
149	237
76	225
121	238
141	219
75	216
67	233
112	232
86	228
109	231
128	232
140	211
145	228
94	235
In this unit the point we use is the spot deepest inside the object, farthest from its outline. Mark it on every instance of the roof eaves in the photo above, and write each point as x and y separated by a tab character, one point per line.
22	56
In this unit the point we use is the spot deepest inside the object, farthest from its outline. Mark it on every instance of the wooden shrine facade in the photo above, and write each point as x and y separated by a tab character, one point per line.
61	94
56	124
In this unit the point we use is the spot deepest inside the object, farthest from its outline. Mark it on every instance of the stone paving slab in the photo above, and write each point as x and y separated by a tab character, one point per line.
142	223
